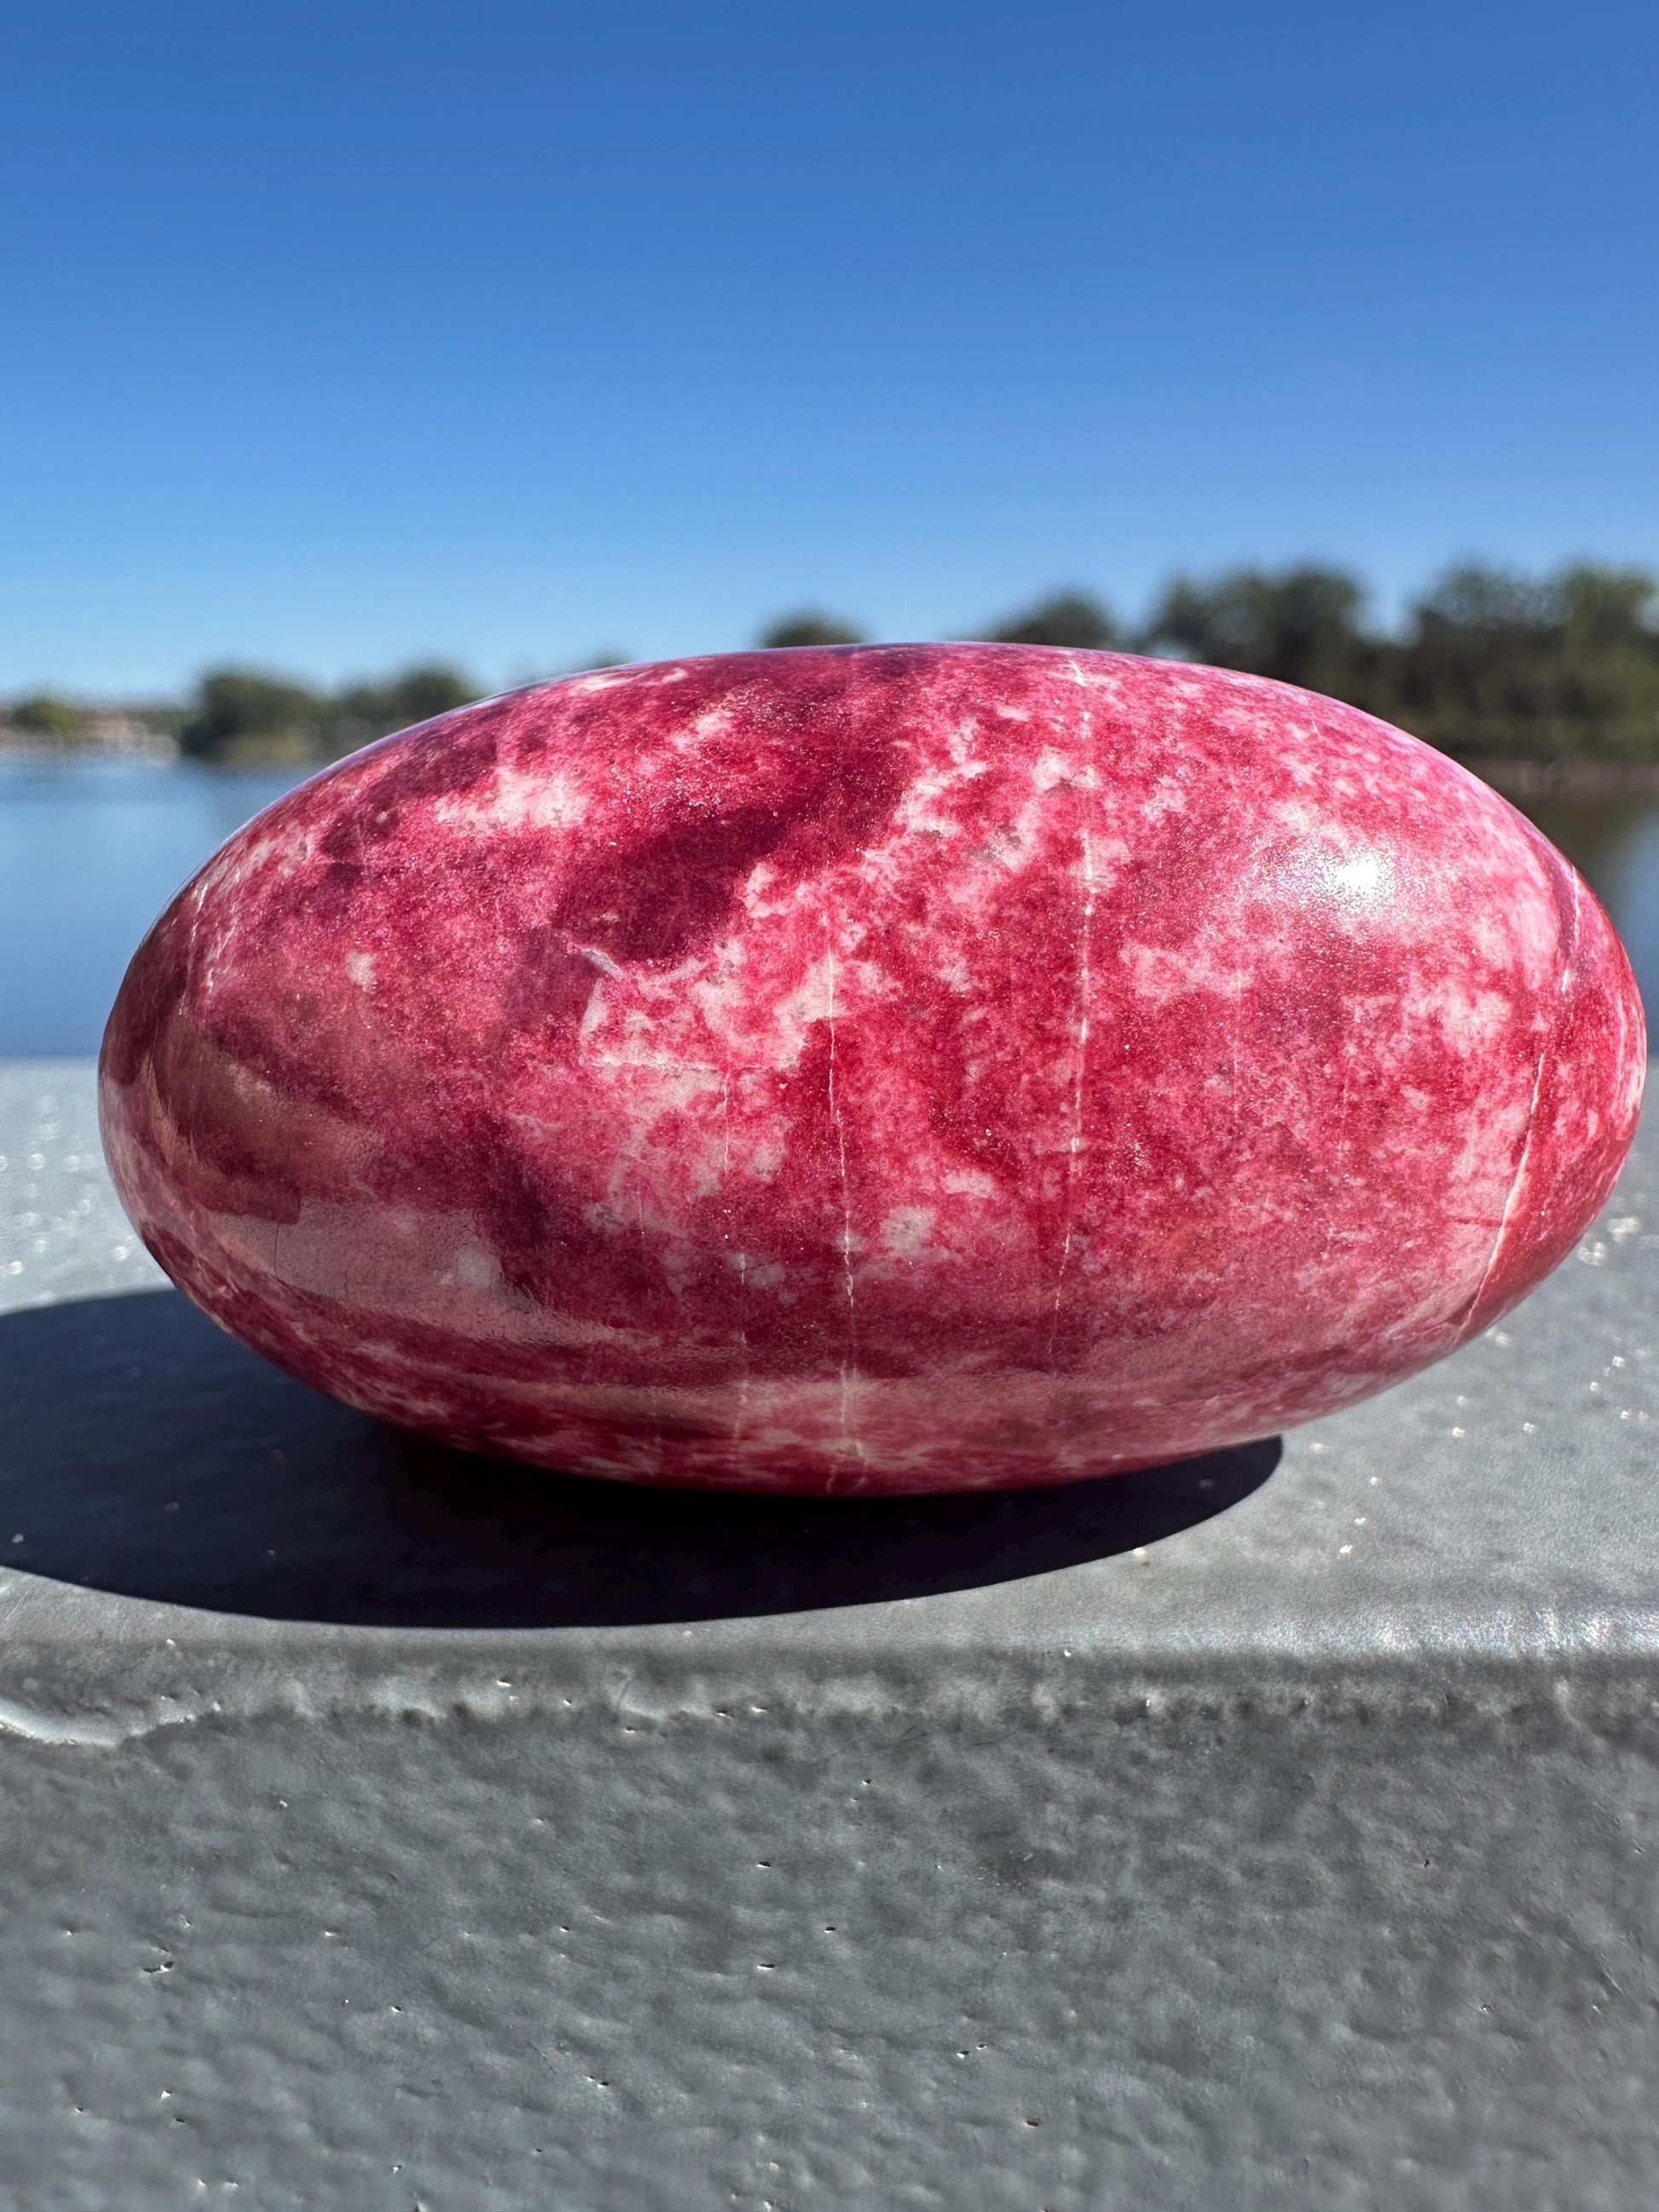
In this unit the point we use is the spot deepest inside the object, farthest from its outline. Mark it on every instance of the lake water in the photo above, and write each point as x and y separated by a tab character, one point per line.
90	854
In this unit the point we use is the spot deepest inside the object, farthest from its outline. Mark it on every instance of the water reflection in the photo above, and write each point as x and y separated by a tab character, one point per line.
89	854
1614	843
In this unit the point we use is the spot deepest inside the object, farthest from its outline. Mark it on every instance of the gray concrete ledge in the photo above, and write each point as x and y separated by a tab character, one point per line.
387	1829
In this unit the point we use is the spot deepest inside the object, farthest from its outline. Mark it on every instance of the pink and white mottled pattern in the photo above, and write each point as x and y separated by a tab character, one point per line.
899	1068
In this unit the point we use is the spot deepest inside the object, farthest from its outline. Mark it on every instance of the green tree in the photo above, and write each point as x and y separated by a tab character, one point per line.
1497	663
244	714
809	626
1070	619
363	711
1299	625
43	715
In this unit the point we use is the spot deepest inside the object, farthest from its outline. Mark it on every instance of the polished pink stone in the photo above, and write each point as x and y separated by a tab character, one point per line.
901	1068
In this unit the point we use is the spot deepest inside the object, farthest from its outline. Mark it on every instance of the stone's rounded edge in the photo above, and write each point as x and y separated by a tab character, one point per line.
1586	1107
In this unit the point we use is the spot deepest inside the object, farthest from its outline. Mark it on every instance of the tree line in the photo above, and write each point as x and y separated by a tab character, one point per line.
1487	664
247	714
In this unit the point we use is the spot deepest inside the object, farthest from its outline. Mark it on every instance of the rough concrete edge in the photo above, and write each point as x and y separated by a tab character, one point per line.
1602	1693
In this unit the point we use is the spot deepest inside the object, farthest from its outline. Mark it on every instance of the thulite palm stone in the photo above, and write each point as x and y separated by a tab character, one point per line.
904	1068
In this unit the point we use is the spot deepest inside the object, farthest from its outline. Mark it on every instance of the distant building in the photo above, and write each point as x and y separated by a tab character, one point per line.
107	732
118	730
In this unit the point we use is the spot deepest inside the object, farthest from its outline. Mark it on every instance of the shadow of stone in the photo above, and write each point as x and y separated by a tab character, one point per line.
143	1452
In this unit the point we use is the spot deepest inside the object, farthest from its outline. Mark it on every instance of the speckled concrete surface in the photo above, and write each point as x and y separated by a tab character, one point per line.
1302	1854
62	1234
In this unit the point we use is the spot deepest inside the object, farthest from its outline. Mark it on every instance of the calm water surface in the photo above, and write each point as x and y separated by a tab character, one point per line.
89	856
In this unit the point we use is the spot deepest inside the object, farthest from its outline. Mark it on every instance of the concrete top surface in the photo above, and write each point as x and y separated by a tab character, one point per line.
181	1523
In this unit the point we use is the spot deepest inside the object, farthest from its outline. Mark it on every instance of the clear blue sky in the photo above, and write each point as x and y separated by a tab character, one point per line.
335	334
